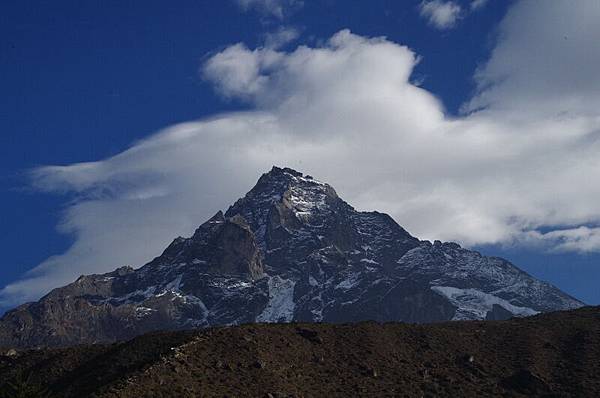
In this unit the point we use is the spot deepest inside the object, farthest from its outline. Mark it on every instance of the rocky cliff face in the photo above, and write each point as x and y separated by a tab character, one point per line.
290	250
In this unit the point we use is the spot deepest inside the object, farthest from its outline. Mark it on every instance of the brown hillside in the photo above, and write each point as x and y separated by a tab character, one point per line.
550	355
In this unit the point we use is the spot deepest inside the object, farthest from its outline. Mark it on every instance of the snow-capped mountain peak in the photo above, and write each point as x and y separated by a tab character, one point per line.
289	250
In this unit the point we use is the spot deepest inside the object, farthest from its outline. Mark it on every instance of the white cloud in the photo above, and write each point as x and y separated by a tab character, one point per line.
478	4
281	37
440	14
582	239
525	168
546	61
274	8
236	70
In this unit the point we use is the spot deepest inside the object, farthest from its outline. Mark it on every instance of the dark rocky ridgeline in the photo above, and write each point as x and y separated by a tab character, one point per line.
290	250
548	355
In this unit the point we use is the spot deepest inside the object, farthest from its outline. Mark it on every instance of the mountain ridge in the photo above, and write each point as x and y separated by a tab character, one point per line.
290	250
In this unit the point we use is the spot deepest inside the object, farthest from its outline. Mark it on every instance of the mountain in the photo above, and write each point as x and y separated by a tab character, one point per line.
547	355
290	250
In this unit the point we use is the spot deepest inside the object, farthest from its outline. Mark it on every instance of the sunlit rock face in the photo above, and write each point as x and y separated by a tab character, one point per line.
290	250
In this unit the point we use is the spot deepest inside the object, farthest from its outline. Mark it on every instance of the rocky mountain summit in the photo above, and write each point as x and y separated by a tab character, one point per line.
290	250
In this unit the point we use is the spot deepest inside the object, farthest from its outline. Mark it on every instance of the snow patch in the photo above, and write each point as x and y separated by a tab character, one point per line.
129	298
349	282
280	307
141	312
368	261
175	284
474	304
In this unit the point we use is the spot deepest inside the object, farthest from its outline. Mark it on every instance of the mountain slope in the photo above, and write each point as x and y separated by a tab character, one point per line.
290	250
548	355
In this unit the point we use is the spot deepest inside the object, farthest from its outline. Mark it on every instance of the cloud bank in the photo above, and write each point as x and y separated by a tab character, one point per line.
520	165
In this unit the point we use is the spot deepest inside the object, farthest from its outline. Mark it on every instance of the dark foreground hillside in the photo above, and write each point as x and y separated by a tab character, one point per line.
550	355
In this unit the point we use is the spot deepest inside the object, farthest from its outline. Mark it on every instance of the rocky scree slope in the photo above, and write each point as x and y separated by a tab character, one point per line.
290	250
547	355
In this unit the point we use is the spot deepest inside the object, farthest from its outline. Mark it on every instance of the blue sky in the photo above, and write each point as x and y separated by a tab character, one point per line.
85	81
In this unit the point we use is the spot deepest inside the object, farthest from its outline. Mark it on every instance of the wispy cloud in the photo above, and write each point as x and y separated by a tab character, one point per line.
440	14
281	37
520	165
445	15
272	8
478	4
580	239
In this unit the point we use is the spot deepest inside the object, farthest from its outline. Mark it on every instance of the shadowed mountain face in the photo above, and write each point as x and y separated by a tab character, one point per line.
290	250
